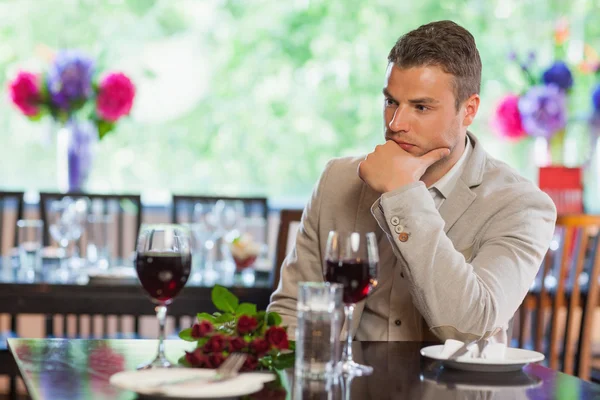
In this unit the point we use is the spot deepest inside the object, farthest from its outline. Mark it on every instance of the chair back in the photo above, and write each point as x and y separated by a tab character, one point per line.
256	211
565	296
287	229
125	209
8	226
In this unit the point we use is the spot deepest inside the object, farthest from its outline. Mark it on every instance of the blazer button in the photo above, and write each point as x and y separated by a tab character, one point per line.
395	221
398	322
403	237
398	229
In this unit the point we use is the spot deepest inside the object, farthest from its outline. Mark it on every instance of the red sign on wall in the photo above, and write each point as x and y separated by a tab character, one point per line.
564	186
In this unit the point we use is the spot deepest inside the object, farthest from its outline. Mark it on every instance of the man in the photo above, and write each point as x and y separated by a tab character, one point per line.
461	235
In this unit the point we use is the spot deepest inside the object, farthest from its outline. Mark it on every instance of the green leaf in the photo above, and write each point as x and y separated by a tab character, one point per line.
223	299
273	319
202	341
104	127
292	345
224	318
205	317
186	335
183	361
284	361
246	309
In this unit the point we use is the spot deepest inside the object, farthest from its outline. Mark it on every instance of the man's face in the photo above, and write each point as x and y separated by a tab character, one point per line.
420	111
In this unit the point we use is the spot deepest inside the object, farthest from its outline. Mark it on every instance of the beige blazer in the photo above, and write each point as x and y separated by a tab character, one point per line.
469	265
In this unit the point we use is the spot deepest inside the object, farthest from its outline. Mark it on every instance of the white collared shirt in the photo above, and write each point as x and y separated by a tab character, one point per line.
402	321
444	186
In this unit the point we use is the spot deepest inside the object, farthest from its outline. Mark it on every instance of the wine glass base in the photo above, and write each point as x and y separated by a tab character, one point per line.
355	369
158	362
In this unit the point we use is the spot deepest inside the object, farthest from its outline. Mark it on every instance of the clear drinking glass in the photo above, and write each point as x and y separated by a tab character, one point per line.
163	264
319	325
352	259
66	224
30	244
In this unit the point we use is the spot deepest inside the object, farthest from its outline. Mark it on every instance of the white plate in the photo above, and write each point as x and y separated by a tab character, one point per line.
142	381
514	360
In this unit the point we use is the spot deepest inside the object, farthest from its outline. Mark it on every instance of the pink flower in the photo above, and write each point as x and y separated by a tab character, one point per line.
508	118
25	93
115	96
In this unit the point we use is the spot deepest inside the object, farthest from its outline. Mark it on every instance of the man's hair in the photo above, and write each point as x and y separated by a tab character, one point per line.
446	45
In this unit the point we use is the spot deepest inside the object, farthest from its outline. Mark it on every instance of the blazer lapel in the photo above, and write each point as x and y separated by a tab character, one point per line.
462	196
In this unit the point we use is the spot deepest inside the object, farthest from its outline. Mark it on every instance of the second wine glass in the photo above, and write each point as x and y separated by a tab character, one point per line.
163	264
352	259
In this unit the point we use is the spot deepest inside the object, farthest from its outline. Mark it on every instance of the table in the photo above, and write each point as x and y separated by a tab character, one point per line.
80	369
114	297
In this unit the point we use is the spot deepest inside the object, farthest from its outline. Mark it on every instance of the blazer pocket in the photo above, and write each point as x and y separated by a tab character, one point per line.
468	252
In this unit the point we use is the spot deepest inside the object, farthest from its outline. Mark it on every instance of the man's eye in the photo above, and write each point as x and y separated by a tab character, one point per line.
389	102
421	108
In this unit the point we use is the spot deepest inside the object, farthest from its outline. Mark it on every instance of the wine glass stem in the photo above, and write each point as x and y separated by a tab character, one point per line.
349	310
161	314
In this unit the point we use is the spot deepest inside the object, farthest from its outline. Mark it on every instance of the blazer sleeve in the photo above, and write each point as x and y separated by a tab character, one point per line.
304	262
467	300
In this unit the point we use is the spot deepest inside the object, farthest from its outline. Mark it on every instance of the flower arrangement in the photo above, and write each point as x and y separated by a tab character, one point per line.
541	109
71	86
238	328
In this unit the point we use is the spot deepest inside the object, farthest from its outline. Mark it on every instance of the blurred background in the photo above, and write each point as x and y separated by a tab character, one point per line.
253	97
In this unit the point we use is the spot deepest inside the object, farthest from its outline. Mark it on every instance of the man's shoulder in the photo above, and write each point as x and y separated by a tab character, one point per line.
344	169
504	184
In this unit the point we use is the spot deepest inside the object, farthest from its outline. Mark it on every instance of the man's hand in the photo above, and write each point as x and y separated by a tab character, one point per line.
389	167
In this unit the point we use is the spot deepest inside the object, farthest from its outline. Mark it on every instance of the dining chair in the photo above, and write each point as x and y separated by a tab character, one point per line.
11	204
125	208
126	211
289	220
10	201
184	209
561	304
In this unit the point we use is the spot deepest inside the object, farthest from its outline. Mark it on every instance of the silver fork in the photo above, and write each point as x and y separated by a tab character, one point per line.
228	370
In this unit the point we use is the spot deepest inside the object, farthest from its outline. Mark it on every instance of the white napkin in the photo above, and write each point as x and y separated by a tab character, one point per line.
492	351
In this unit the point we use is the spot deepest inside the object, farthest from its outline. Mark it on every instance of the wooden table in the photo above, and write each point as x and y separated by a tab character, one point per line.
115	297
80	369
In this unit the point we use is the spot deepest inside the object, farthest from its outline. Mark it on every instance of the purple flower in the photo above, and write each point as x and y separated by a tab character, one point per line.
543	110
558	74
596	99
69	79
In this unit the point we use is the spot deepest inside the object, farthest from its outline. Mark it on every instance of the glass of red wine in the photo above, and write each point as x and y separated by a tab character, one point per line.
163	264
352	259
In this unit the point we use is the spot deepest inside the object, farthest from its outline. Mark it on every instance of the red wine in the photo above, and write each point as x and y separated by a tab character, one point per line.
357	277
163	274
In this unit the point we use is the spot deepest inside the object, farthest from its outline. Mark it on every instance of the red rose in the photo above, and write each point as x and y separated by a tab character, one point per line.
250	364
237	344
196	358
115	96
215	360
202	329
25	93
260	346
215	344
246	324
277	337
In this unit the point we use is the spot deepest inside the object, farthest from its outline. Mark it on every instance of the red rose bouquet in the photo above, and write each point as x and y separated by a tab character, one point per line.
238	328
